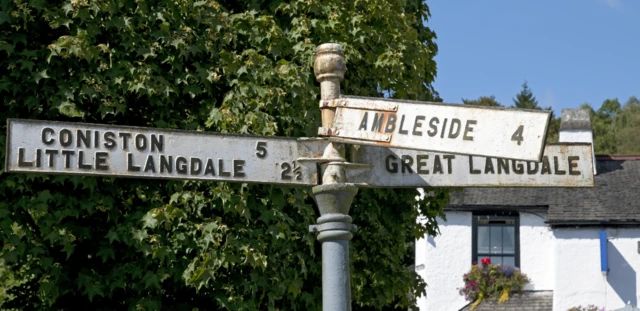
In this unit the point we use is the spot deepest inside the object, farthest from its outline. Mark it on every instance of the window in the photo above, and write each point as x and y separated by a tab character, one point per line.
496	236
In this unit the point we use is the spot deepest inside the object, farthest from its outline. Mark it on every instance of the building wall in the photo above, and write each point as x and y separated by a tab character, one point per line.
578	279
536	250
441	261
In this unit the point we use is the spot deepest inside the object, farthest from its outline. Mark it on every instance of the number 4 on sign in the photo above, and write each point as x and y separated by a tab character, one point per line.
517	135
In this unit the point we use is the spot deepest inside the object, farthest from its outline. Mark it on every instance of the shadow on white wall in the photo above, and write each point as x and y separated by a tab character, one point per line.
622	276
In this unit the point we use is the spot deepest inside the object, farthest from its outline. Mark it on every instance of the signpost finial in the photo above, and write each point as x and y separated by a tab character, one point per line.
329	68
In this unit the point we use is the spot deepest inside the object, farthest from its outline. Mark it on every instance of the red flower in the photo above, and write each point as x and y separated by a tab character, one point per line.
485	261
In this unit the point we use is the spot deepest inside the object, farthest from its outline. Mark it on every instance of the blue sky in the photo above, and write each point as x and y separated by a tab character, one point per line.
569	51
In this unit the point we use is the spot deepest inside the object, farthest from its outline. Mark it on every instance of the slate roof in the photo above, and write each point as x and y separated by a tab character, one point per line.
528	301
615	199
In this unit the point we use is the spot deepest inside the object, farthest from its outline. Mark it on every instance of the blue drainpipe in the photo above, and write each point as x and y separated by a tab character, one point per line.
604	263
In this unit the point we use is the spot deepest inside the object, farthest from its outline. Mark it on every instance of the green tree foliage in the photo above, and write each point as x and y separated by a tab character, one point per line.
237	66
627	127
525	99
487	101
616	127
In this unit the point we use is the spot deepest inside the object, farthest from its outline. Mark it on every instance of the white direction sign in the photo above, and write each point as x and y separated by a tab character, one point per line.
458	129
89	149
563	165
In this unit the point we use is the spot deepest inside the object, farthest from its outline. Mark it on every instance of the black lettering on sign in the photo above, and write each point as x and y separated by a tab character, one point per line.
286	170
110	141
38	158
221	171
51	153
533	170
488	166
421	160
66	138
150	165
556	167
444	126
46	136
503	165
573	165
261	149
210	169
181	165
518	167
390	164
83	139
471	170
130	166
469	129
363	123
406	163
377	122
81	164
166	164
391	123
449	158
125	141
67	157
417	124
400	130
101	161
21	161
546	167
196	166
96	139
141	142
517	135
157	143
238	170
297	171
437	165
455	123
433	124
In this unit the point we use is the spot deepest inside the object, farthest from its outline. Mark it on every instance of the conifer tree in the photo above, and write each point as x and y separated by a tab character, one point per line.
525	99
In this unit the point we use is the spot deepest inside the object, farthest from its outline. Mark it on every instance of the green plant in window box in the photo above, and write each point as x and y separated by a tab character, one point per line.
489	281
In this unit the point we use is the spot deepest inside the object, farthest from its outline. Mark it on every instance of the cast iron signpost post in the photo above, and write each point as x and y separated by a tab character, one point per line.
395	136
335	195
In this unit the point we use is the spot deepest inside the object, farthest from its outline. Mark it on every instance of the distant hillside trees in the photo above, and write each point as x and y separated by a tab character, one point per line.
616	127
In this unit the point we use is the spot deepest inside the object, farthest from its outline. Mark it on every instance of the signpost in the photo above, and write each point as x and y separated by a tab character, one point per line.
485	131
89	149
400	132
563	165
